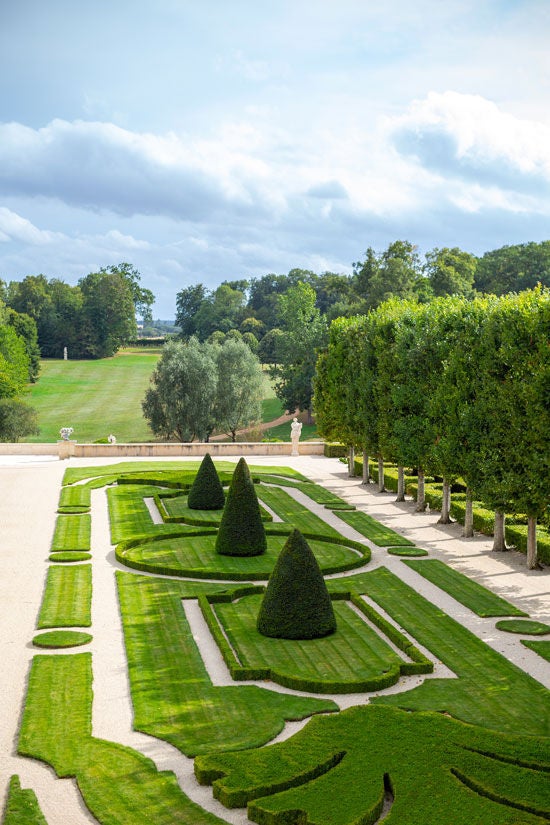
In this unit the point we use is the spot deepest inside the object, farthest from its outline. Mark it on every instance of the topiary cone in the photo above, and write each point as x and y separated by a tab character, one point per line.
241	530
296	604
206	492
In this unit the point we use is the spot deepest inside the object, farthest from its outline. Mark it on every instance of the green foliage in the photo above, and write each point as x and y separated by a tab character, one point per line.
14	363
296	604
17	420
432	766
241	530
304	331
179	404
513	268
240	387
206	492
22	806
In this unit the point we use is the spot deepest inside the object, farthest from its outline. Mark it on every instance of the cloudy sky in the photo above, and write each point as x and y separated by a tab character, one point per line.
211	140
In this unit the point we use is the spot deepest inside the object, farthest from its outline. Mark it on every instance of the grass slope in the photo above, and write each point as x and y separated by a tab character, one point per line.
87	396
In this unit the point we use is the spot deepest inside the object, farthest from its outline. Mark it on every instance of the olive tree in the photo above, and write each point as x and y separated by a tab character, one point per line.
179	404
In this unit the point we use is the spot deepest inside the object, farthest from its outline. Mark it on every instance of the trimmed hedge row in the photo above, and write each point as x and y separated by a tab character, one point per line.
483	517
420	663
239	672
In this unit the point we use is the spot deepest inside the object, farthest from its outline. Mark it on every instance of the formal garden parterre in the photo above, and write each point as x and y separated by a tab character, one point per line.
472	748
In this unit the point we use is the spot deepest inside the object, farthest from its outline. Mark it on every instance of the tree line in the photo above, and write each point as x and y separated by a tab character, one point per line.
456	387
92	319
252	306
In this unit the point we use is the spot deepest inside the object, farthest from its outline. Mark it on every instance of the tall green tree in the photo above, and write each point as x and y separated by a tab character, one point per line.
179	404
305	331
513	268
450	271
108	313
188	302
239	387
14	363
143	298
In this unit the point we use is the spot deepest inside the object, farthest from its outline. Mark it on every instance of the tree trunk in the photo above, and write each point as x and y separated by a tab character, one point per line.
400	483
532	561
351	461
366	476
445	517
381	488
421	494
499	541
468	531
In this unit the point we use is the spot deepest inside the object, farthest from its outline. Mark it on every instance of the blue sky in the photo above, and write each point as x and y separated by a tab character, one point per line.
211	141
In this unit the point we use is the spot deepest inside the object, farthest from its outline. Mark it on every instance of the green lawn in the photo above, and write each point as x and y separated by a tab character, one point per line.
470	748
96	398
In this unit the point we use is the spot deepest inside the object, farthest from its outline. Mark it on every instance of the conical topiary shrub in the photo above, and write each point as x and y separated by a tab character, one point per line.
241	530
206	492
296	604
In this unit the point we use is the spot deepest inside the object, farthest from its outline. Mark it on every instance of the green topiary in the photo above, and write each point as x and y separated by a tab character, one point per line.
297	603
241	530
206	492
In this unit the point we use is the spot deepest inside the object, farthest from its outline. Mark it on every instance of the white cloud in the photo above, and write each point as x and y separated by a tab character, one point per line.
467	136
15	228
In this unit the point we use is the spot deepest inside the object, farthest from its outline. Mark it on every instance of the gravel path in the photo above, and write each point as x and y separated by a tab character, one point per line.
30	492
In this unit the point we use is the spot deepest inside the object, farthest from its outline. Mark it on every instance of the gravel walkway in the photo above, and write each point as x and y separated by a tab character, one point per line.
30	492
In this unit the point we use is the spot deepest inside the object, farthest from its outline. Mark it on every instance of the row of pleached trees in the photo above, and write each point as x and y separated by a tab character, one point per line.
457	388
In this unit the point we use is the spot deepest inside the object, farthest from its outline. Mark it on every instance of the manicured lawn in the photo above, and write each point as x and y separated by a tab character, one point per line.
67	597
435	770
372	529
87	396
183	707
472	595
72	532
195	555
118	784
473	748
354	658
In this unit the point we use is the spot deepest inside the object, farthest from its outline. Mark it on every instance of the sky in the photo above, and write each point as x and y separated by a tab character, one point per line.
213	140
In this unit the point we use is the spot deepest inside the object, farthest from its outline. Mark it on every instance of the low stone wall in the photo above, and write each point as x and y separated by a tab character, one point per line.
68	449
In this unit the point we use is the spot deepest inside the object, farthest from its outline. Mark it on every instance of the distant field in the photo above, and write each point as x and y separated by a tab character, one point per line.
96	398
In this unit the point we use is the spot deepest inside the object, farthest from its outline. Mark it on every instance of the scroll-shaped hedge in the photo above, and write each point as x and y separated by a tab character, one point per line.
241	530
297	603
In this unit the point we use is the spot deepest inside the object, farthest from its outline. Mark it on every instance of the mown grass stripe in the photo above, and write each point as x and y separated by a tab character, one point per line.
67	598
468	592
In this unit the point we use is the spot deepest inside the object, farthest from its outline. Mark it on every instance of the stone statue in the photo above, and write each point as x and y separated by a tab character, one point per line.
295	431
66	433
111	439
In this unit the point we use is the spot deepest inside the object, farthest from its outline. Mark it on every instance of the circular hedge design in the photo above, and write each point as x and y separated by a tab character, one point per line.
526	626
62	638
194	555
